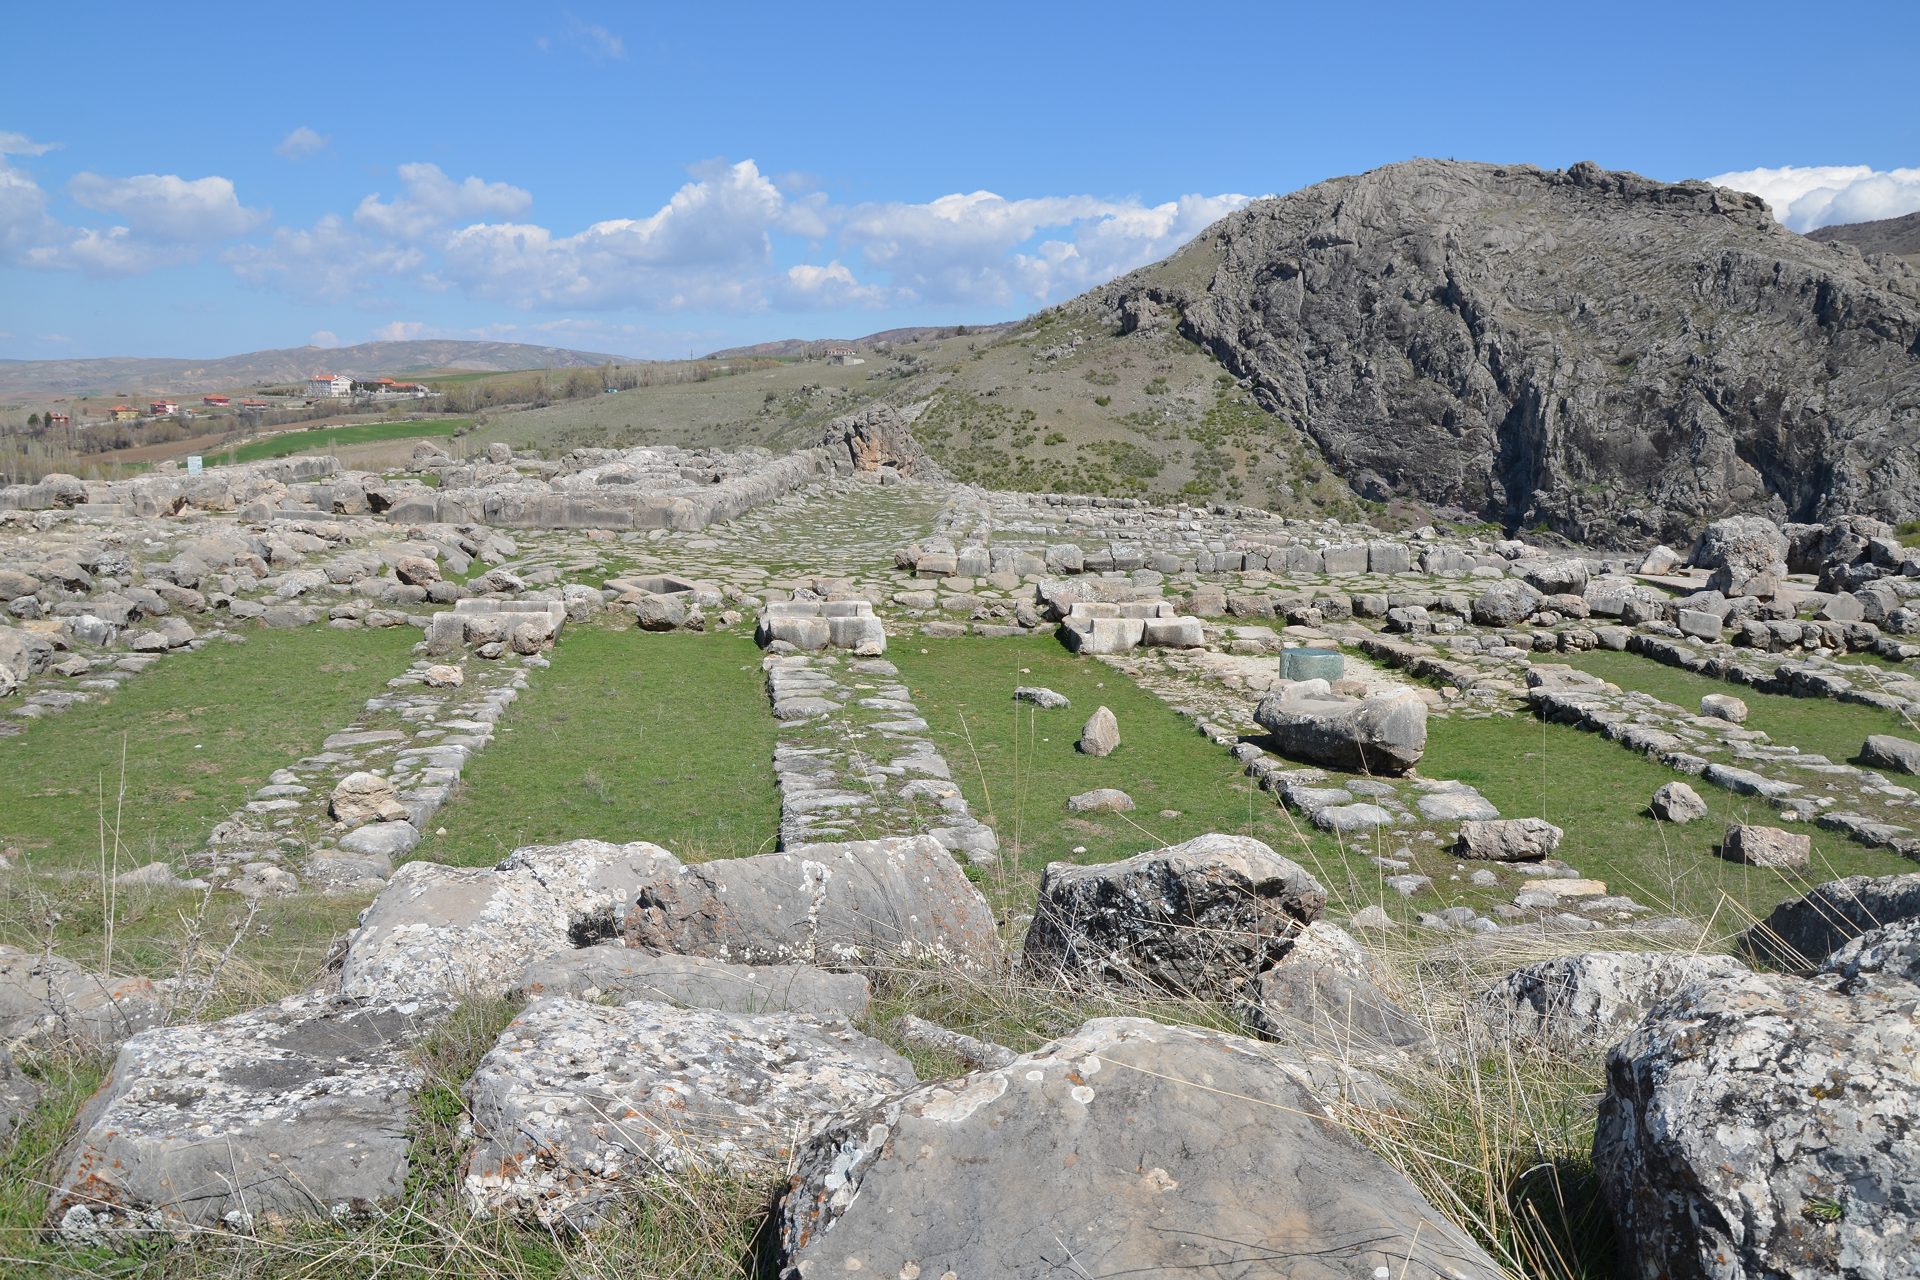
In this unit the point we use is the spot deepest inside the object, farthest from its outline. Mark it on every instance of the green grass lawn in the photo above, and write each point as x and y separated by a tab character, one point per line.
1598	792
320	439
197	735
1017	765
628	736
1835	730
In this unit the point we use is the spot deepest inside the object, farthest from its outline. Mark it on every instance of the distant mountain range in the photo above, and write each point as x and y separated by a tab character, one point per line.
134	375
1897	236
800	346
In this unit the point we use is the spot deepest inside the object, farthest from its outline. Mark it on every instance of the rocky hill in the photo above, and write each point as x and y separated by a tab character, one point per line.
1609	356
132	374
1898	236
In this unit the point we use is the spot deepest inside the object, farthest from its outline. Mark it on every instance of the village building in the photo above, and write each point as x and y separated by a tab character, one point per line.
330	385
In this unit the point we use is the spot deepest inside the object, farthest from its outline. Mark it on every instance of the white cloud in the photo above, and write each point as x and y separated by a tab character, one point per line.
24	223
165	206
809	287
399	331
432	200
19	144
328	261
708	246
1807	197
301	143
595	40
323	338
965	248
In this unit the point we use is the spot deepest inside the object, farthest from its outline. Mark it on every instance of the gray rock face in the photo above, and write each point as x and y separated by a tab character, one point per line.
1678	803
615	971
834	905
1100	736
1384	733
1453	385
1802	932
1765	1126
1507	840
51	1001
294	1111
1589	1001
1127	1148
1889	752
19	1094
1202	918
1759	846
576	1100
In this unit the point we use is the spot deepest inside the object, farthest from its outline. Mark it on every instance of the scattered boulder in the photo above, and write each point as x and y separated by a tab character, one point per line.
1677	802
1802	932
1766	846
1101	800
1506	603
1045	699
1744	552
444	676
1203	918
1885	751
613	971
1589	1001
1101	734
577	1102
1724	706
360	798
49	1000
835	905
1383	733
1763	1125
416	571
294	1111
1126	1148
1507	840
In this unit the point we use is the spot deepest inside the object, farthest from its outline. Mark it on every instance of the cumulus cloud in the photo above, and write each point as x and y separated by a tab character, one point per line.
165	206
431	200
967	248
25	224
399	331
19	144
323	338
301	143
595	40
329	261
707	246
809	287
1807	197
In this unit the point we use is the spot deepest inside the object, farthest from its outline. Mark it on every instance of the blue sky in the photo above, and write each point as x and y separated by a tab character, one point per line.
653	180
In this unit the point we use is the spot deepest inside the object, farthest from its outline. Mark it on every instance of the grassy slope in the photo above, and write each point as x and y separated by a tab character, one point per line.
288	443
1017	765
1598	792
1835	730
628	736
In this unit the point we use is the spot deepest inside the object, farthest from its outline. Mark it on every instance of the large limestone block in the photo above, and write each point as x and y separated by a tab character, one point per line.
1327	992
577	1102
613	971
51	1001
1127	1148
1384	733
1803	931
833	905
1591	1000
1202	918
1507	840
1766	1126
1742	552
298	1110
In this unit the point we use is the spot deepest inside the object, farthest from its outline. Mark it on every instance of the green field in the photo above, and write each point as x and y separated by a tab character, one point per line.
627	736
321	439
161	760
1835	730
1017	765
1598	792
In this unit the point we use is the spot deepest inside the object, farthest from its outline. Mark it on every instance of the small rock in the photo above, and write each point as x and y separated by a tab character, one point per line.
1045	699
444	676
1507	840
1766	846
1723	706
1102	800
1677	802
1101	735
